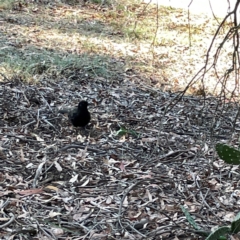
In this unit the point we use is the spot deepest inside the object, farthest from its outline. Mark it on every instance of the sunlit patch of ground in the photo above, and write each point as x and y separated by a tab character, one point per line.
163	46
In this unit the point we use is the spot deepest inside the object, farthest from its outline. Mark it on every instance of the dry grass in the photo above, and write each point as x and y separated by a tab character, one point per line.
152	42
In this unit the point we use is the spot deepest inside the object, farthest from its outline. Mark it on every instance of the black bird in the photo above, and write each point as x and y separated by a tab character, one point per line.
79	116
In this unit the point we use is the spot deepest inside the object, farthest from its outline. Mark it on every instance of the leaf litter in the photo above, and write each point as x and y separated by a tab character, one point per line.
59	182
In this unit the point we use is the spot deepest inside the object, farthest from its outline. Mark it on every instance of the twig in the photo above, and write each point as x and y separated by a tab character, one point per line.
9	222
123	198
135	230
4	204
81	147
38	173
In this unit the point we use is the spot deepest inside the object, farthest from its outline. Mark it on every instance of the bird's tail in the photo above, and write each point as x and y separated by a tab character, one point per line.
64	110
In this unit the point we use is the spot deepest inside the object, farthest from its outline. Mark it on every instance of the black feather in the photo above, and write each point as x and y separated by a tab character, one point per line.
79	116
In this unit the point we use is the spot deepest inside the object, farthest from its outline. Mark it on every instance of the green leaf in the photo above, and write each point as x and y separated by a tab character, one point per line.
123	131
228	154
235	226
189	218
219	234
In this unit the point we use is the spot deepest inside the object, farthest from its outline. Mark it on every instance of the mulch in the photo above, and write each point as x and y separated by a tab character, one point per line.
61	182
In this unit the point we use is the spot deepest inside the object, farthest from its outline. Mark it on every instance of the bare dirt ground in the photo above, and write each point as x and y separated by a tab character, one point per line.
218	8
145	155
